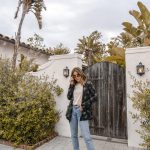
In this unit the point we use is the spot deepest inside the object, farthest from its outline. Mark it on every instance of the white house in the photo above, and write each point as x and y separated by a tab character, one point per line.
7	49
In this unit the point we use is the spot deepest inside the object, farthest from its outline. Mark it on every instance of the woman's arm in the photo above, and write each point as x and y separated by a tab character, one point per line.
70	91
93	94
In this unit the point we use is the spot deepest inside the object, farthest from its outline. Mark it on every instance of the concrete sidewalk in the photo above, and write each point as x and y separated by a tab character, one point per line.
63	143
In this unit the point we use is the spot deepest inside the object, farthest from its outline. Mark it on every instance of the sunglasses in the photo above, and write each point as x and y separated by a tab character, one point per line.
78	75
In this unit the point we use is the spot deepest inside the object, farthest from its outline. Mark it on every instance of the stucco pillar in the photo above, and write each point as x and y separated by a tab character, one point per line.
133	57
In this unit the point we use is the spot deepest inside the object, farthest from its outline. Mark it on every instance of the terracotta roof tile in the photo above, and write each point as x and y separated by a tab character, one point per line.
22	44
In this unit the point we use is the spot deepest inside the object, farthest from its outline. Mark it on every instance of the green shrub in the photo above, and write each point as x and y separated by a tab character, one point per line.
141	102
27	106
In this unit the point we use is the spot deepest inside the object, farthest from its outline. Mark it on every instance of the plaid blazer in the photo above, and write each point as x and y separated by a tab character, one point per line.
88	97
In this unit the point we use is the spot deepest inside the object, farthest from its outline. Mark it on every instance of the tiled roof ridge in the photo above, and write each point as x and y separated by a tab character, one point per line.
23	44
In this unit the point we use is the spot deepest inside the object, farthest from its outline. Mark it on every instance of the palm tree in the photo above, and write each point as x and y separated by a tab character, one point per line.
34	6
116	49
123	40
141	33
91	47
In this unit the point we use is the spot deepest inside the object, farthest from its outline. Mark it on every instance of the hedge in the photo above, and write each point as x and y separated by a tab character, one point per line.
27	106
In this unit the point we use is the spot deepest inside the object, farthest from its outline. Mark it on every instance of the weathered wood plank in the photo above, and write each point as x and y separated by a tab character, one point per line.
110	110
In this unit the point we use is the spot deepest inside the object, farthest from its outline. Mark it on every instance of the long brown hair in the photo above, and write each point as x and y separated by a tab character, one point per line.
80	72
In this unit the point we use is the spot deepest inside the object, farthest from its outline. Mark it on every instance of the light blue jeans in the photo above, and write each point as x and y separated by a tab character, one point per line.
84	127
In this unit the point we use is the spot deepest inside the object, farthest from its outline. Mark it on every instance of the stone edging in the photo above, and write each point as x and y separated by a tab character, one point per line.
30	147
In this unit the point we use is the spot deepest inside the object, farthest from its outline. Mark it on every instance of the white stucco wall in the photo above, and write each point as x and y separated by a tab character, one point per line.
7	50
55	68
133	57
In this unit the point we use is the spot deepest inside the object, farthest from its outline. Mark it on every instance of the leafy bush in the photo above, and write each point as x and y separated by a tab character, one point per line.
141	102
27	106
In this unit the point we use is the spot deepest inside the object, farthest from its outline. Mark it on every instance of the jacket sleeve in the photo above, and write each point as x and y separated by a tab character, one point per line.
93	96
70	92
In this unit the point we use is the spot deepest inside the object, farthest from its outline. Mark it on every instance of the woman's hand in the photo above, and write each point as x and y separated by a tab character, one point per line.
81	109
72	81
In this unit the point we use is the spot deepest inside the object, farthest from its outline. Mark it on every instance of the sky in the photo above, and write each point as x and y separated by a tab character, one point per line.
65	21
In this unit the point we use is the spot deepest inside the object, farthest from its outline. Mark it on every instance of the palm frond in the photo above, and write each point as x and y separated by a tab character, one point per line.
137	16
35	6
145	13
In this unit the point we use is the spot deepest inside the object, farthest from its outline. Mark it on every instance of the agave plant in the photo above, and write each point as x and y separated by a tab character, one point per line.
34	6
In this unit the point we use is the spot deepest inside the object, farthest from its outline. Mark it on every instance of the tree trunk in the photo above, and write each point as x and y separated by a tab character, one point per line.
17	40
89	58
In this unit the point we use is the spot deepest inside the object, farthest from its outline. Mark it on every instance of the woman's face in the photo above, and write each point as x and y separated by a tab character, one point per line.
77	76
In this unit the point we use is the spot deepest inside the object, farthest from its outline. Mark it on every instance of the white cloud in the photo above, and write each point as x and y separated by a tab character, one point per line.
68	20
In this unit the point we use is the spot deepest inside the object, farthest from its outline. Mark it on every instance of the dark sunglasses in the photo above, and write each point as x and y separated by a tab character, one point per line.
78	75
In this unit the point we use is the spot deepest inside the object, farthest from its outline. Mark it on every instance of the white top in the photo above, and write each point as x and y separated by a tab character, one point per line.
77	94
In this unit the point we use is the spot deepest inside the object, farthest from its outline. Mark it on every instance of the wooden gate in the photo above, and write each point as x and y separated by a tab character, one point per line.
109	111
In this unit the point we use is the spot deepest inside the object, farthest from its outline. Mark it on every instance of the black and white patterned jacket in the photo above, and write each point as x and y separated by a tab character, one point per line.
88	97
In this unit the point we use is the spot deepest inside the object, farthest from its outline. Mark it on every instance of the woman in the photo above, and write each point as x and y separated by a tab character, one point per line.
81	94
